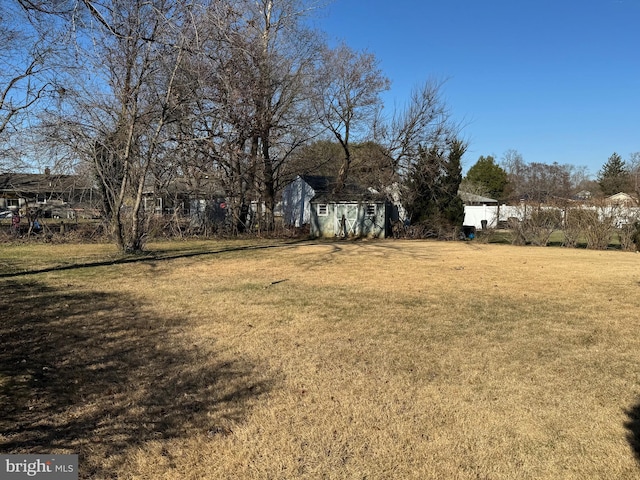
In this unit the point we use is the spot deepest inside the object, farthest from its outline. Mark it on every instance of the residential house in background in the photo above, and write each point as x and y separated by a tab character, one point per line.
63	196
297	195
622	200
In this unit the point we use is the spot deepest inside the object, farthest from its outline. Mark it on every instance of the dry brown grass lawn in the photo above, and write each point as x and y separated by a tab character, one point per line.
391	359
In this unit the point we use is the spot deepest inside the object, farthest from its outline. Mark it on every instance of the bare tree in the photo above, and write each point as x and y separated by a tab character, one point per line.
423	123
248	102
578	176
474	188
28	78
512	161
347	98
634	170
283	55
538	182
118	114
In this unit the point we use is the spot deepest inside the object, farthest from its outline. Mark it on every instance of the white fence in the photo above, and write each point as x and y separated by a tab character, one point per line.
475	215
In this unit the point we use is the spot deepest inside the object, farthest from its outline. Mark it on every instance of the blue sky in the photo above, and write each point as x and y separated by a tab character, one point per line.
558	81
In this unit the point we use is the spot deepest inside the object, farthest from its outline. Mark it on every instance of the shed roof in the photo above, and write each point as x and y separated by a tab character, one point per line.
473	198
325	191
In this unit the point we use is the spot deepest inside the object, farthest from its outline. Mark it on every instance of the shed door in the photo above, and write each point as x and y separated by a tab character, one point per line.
350	213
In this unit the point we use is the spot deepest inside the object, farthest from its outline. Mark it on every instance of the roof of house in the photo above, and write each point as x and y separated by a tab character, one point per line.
622	198
33	183
325	190
319	183
473	198
583	195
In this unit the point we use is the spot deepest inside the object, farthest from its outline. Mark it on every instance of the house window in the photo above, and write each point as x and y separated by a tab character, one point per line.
371	210
323	209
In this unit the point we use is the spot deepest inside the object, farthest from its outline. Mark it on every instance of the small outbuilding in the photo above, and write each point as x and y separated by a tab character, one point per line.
350	211
350	214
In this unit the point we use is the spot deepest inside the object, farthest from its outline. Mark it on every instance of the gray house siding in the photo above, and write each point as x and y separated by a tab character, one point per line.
296	198
350	219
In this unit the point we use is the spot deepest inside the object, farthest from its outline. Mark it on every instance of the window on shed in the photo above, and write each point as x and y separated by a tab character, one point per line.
371	210
323	209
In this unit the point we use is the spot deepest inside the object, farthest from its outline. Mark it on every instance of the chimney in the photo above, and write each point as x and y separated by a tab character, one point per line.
47	171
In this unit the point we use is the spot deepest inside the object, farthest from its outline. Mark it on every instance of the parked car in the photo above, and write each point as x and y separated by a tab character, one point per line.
6	214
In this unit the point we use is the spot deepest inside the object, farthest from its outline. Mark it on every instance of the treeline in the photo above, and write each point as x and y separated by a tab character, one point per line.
545	198
223	97
511	179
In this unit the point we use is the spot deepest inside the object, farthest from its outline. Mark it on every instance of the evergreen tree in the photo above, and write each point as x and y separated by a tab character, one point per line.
614	176
489	175
432	186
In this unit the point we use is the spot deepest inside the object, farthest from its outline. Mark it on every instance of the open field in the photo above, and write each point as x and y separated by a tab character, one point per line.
390	359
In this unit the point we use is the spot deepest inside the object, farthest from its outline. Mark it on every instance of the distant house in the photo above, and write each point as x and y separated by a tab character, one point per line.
184	195
296	197
583	195
622	199
55	195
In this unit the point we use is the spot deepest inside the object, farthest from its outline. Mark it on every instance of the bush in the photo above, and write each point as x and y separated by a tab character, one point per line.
536	228
574	224
598	227
541	224
518	228
636	235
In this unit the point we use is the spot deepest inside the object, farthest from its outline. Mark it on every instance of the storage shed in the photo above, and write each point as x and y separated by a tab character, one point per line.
350	214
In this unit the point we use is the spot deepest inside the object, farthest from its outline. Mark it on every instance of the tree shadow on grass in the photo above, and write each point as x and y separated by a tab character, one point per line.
96	374
633	429
150	257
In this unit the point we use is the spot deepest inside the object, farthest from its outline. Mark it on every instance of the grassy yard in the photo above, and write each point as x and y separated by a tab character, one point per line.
390	359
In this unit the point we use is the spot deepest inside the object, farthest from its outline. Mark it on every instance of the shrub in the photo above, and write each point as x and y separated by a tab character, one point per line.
598	227
541	224
574	224
636	235
518	227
